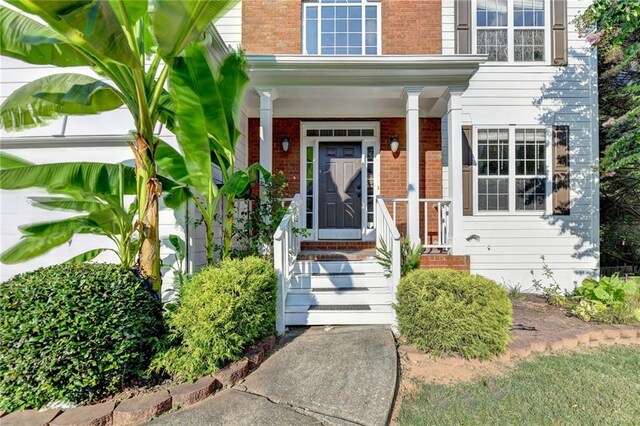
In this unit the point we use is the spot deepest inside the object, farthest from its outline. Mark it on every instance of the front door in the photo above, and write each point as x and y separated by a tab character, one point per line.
340	191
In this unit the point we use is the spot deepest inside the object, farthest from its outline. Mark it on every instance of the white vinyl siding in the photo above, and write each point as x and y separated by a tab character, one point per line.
229	26
537	95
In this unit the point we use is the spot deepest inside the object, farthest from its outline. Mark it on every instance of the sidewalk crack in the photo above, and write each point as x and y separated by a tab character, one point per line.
323	418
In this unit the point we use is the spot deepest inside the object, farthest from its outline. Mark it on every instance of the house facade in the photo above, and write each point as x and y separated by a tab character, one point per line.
469	126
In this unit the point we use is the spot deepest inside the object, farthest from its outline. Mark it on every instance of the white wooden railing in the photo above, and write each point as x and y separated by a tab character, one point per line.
387	232
286	246
438	238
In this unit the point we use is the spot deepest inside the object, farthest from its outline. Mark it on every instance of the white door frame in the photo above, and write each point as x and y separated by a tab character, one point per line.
367	231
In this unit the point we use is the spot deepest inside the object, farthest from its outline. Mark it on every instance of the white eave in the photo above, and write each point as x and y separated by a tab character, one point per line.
385	70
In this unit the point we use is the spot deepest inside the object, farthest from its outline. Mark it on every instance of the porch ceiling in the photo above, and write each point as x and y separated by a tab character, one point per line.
362	86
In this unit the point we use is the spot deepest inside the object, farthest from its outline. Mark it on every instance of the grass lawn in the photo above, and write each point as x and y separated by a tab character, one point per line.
601	386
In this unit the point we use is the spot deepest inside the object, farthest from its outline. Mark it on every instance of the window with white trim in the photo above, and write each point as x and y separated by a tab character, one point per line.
511	30
530	171
341	27
511	169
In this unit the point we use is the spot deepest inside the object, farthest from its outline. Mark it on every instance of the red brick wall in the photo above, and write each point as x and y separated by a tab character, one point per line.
411	27
408	27
441	261
393	175
272	26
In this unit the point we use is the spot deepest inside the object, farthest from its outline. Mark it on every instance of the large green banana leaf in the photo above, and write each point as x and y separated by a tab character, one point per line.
178	23
8	161
197	108
95	178
35	103
171	163
232	82
88	255
30	247
30	41
91	25
66	204
133	9
82	178
73	225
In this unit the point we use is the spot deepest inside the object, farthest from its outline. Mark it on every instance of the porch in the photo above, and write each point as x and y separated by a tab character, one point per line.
362	145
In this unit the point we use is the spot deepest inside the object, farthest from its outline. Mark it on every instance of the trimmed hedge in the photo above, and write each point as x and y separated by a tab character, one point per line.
72	333
443	311
221	311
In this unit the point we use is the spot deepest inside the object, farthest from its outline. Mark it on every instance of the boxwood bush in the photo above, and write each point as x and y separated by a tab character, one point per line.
450	312
72	333
221	311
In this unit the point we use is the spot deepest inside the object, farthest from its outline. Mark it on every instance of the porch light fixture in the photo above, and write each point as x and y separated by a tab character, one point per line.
394	144
285	143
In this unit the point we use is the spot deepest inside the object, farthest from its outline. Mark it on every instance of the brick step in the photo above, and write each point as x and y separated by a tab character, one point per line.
345	255
343	245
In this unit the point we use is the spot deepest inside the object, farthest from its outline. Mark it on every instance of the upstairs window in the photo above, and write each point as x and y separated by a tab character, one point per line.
341	27
511	30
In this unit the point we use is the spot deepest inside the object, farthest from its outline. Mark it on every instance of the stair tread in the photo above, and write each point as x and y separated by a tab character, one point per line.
339	308
338	290
372	308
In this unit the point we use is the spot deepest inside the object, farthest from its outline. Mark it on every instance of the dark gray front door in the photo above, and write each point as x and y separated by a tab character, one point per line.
340	191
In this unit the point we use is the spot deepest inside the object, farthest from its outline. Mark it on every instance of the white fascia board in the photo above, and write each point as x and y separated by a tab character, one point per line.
389	70
215	44
64	141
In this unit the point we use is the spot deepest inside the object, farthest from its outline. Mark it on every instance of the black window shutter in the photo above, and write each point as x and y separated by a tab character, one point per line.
463	26
559	32
560	170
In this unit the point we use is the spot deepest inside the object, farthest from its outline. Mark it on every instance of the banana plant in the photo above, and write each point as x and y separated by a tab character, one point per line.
207	105
132	45
99	192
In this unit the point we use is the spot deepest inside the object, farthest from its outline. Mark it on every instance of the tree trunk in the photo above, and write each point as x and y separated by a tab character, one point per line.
227	231
148	191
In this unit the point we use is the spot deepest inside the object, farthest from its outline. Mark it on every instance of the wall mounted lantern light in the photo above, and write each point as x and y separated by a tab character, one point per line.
394	144
285	143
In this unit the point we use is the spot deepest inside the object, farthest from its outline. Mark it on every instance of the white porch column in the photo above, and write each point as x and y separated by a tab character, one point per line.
267	96
454	147
412	95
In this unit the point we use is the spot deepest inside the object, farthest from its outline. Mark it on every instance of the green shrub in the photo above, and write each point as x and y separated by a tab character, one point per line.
72	333
221	311
610	300
442	311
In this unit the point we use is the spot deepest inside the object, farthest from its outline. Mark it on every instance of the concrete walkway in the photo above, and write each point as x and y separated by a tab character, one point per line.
339	376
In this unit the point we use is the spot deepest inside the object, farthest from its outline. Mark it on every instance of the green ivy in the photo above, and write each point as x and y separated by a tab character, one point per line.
443	312
221	311
73	333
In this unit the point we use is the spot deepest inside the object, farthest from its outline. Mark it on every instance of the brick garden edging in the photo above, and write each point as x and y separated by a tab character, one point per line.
142	408
603	336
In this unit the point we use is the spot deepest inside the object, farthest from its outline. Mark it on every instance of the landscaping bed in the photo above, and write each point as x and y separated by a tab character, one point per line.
537	327
593	386
137	405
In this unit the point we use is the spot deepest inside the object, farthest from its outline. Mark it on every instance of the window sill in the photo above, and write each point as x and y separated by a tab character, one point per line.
517	64
538	213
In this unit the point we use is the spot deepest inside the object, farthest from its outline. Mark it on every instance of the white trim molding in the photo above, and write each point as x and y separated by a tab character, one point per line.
367	233
395	70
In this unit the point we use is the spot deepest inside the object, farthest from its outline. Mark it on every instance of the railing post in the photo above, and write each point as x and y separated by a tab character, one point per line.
396	268
280	302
